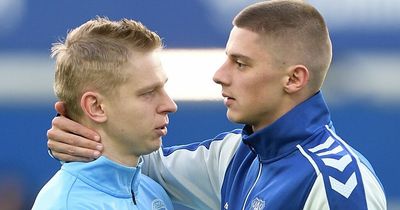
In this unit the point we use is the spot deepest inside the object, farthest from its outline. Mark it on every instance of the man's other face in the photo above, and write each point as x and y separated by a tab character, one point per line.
252	85
138	115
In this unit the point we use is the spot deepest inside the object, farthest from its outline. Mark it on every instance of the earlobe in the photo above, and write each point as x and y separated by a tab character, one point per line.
297	79
91	104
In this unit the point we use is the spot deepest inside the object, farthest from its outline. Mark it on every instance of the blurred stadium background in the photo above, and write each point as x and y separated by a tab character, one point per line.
363	88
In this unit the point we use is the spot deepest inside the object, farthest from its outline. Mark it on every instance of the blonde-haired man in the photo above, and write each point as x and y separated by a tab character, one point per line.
287	156
109	75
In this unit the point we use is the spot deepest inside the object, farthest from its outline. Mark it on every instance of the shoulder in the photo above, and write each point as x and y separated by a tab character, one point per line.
225	139
64	191
57	188
343	177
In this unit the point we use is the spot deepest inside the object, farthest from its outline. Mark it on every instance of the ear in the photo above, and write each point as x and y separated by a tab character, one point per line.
92	106
298	77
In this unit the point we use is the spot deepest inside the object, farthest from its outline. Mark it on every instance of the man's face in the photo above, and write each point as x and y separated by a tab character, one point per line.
252	85
138	115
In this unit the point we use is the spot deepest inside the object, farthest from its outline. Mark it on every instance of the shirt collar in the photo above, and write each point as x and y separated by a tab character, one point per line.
293	128
107	175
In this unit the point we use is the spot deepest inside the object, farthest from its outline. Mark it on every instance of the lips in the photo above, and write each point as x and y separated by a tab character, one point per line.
162	130
227	95
228	100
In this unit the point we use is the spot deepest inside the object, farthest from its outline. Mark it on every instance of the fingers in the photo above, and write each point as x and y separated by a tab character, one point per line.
67	125
66	145
69	158
60	108
72	146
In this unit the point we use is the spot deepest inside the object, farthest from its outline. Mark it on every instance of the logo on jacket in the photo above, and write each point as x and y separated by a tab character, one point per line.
158	204
257	204
328	152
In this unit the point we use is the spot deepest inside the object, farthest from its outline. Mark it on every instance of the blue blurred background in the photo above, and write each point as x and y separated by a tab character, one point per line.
362	88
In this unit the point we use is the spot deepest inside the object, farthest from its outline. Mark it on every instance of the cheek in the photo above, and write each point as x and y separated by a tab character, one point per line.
261	90
253	87
270	82
135	124
140	115
132	114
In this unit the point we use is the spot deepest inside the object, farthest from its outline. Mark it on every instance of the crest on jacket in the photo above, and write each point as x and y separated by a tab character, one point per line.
158	204
257	204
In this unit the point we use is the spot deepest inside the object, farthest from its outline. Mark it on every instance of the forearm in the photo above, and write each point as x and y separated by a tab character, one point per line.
193	174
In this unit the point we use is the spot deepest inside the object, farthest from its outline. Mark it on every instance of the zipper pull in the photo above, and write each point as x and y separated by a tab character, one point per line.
133	197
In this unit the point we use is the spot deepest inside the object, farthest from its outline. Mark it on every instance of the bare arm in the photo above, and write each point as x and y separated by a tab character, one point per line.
70	141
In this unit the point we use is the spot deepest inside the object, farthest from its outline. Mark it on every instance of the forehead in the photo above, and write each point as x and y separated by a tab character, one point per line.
247	43
145	69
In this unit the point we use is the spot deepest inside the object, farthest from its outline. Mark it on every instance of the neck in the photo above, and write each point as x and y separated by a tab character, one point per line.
287	104
127	160
115	150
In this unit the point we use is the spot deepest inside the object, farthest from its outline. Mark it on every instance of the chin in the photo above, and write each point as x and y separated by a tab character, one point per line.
155	145
150	150
234	117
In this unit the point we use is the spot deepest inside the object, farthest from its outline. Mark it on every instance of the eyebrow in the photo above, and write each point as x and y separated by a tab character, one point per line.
152	86
239	56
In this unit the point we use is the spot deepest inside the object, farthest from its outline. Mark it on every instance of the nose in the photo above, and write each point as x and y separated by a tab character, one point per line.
168	105
220	76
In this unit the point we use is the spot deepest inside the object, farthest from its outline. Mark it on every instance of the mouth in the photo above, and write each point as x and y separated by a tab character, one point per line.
162	130
227	96
228	100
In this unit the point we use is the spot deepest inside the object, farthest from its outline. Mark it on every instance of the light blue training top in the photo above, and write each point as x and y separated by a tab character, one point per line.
101	184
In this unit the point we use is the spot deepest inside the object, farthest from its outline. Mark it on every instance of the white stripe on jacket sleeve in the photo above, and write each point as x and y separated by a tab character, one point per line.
193	178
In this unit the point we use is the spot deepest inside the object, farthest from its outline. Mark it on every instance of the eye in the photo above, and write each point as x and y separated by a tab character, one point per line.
239	64
149	93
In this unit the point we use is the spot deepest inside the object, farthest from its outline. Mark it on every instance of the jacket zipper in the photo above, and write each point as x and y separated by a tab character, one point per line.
133	197
132	181
252	187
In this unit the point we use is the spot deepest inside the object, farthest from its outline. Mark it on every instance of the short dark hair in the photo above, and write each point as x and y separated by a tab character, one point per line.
297	28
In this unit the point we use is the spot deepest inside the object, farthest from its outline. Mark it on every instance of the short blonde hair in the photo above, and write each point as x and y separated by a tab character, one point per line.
92	56
297	32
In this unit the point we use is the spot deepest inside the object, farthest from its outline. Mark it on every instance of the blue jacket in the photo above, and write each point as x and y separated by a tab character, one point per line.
298	162
101	184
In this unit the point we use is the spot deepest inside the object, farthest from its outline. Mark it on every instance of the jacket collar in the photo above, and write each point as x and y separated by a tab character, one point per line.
107	176
294	127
